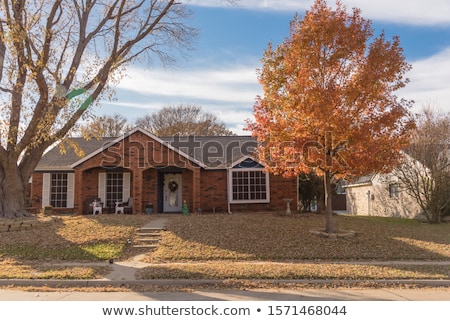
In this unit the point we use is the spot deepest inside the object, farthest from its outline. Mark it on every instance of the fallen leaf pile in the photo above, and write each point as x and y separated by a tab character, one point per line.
291	271
270	237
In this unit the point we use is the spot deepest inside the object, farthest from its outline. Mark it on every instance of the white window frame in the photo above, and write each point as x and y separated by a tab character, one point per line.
46	189
394	190
102	186
247	201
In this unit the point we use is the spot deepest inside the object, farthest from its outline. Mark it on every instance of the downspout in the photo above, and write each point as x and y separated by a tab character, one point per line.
228	192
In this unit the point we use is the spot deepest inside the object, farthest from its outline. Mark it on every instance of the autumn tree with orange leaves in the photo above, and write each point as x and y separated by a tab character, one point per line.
329	101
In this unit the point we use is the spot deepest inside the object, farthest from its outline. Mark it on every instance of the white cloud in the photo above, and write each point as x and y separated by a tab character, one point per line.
228	93
412	12
236	85
284	5
430	81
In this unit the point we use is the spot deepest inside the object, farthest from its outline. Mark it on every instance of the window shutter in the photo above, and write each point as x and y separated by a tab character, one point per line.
126	186
46	189
70	190
102	187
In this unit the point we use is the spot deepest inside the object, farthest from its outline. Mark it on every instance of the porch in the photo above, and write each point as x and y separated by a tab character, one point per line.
162	188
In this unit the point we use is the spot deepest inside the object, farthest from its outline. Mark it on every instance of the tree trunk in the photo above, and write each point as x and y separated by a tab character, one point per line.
329	227
13	191
436	215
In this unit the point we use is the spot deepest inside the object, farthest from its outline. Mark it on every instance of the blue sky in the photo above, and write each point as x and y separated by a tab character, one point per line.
220	74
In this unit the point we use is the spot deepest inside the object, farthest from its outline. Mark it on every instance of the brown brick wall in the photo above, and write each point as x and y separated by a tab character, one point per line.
150	188
281	188
213	187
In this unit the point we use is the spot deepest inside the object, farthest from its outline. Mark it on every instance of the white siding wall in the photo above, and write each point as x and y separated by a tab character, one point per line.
379	203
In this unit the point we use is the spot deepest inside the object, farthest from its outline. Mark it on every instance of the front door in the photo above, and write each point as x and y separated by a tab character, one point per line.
172	197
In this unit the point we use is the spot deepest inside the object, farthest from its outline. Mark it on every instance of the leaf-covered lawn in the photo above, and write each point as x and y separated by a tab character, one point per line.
10	269
269	237
238	246
291	271
73	238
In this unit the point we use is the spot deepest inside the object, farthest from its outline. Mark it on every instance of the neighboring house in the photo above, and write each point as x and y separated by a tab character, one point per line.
380	195
209	174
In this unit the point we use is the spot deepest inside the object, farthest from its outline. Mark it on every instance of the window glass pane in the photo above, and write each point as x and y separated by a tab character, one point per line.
114	187
393	190
58	190
248	185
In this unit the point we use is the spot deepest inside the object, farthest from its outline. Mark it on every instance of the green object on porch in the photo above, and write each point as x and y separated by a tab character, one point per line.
185	208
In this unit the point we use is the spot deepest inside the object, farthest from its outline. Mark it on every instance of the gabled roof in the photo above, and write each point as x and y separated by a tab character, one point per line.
55	160
210	152
145	132
362	181
215	152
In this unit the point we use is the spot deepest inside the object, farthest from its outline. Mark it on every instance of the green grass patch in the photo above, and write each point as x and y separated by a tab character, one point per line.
89	252
104	251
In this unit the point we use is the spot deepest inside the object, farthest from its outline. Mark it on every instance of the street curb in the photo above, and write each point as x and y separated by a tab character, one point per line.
211	282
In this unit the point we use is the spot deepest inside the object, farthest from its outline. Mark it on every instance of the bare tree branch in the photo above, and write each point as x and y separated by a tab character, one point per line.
59	57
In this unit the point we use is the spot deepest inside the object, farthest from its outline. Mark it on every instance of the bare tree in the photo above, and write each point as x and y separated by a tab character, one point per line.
105	126
425	171
183	120
57	58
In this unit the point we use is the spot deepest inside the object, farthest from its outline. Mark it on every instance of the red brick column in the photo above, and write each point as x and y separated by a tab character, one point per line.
138	188
78	192
196	189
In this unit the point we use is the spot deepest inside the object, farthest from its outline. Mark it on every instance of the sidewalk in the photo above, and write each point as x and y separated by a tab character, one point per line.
434	294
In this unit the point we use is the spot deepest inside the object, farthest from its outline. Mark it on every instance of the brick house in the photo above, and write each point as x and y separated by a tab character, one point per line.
210	174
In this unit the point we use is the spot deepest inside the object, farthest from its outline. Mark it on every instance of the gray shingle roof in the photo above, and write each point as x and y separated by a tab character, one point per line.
55	160
217	152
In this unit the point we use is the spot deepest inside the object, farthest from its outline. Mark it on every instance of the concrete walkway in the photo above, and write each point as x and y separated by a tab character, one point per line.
126	270
159	222
395	294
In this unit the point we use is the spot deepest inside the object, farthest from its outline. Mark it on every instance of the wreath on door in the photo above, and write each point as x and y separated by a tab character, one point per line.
173	186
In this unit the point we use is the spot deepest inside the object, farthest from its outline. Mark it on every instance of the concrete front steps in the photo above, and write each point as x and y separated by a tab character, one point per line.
148	238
